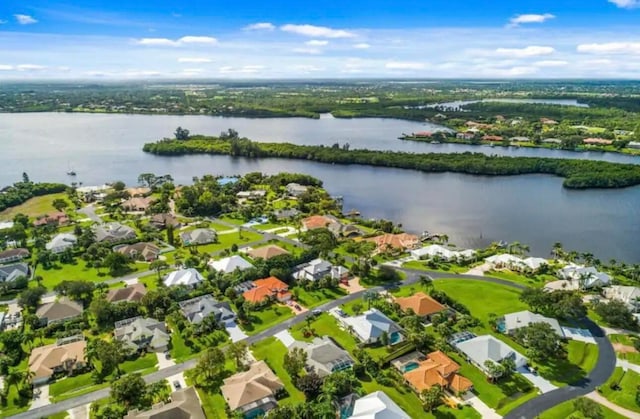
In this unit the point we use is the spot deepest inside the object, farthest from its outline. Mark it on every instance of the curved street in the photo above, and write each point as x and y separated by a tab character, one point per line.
602	371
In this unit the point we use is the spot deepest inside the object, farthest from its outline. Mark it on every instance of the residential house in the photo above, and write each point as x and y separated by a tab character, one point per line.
400	242
287	213
61	242
547	121
252	392
184	404
552	141
139	251
295	190
198	236
66	355
58	311
437	368
480	349
331	223
371	325
503	261
421	304
230	264
13	255
138	204
533	263
138	192
188	277
14	271
318	269
130	293
57	218
630	296
514	321
520	139
634	144
161	221
196	309
267	288
113	232
584	277
435	250
597	141
478	125
377	405
143	334
267	252
251	195
492	138
324	356
467	135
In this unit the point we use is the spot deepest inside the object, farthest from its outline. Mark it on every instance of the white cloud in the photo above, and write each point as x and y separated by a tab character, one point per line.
25	19
310	51
194	60
165	42
405	65
610	48
551	63
317	43
529	18
317	31
511	72
30	67
626	4
362	45
530	51
4	67
305	68
247	69
261	26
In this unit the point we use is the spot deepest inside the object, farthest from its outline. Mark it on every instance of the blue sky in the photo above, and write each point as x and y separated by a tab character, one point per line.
97	39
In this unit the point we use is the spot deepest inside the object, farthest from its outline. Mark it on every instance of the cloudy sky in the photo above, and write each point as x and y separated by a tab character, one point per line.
214	39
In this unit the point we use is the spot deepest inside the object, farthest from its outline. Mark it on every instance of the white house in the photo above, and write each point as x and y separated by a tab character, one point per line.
230	264
435	250
630	296
188	277
504	260
295	189
377	405
584	277
534	263
515	321
61	242
370	325
484	348
318	269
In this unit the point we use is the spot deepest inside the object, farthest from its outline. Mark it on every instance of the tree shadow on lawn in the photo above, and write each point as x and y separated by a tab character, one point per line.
562	371
514	385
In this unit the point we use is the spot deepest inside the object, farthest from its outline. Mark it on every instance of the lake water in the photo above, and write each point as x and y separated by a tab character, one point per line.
458	104
472	210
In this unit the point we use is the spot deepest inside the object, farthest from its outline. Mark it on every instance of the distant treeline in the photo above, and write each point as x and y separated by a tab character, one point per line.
578	174
20	192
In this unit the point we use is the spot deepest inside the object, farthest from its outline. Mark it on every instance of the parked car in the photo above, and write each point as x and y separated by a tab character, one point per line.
176	385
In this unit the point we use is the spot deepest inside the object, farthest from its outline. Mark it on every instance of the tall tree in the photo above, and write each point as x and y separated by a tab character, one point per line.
129	390
295	361
432	397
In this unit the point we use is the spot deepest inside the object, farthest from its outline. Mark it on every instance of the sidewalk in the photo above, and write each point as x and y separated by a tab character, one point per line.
596	397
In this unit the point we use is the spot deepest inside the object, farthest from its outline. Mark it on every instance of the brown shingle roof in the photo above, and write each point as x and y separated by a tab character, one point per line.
59	310
45	359
250	386
133	292
184	404
267	252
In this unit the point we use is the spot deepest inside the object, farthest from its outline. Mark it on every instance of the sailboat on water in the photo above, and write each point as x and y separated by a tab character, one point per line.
70	171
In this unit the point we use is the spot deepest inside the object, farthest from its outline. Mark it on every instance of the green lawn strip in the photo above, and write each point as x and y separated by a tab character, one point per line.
150	281
272	351
14	405
628	383
59	415
314	298
214	405
536	281
266	317
234	221
79	271
225	241
34	207
268	226
284	203
566	411
442	267
581	359
179	349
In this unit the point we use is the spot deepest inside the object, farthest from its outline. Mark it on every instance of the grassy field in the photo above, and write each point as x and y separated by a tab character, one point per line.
311	299
566	411
34	207
581	359
633	357
265	318
625	396
272	351
442	267
225	241
535	281
213	405
79	271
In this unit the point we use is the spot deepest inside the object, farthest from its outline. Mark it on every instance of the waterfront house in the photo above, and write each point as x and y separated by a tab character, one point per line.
520	139
399	242
267	252
584	277
331	223
184	404
287	213
56	218
421	304
377	405
514	321
58	311
188	277
436	369
13	255
66	355
480	349
61	242
597	141
251	195
295	190
138	204
113	232
547	121
630	296
142	334
503	261
198	236
9	273
253	392
318	269
492	138
198	308
437	251
324	356
230	264
263	290
552	141
467	135
131	293
371	325
139	251
634	144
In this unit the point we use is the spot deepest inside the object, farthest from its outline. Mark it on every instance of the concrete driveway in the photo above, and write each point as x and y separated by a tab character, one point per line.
179	378
235	332
543	385
485	411
163	362
80	412
40	397
285	337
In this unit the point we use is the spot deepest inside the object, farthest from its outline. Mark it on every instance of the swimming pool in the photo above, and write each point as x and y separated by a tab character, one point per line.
395	337
410	366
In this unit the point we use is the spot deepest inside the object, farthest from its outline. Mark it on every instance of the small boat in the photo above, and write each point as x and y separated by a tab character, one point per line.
71	173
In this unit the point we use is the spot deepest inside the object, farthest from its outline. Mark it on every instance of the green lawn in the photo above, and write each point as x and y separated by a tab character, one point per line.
268	226
79	270
225	241
214	405
626	396
266	317
311	299
34	207
442	267
566	411
149	281
179	349
235	221
633	357
581	359
272	351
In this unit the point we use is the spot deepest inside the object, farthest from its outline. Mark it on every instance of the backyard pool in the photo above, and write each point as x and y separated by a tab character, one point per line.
395	337
410	366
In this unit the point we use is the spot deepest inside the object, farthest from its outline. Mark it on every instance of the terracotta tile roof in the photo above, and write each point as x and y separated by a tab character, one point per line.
459	384
438	368
397	241
421	304
265	288
267	252
317	221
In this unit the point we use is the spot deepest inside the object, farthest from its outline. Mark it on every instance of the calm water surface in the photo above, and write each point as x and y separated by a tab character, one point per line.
472	210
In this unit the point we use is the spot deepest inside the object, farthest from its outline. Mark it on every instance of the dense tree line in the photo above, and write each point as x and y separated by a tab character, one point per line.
578	174
20	192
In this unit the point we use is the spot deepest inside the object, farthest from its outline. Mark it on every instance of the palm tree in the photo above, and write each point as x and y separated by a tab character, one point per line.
370	297
426	282
557	252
